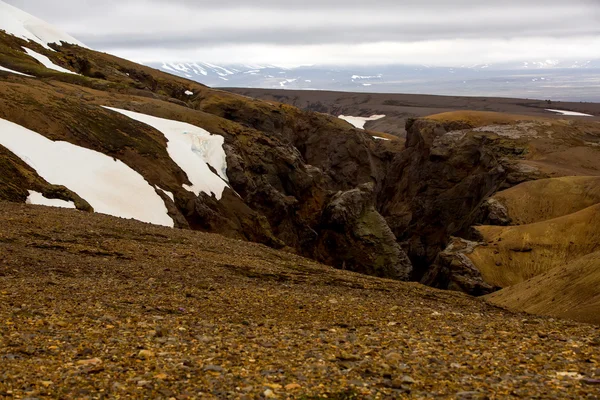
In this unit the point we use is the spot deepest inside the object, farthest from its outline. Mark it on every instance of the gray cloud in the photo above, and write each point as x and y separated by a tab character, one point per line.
188	26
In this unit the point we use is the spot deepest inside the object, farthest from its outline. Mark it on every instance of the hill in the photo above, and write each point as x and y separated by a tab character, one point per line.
96	305
87	130
397	108
569	290
545	199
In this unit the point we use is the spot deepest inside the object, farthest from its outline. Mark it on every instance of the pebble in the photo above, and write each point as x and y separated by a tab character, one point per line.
91	361
145	354
269	394
292	386
590	381
213	368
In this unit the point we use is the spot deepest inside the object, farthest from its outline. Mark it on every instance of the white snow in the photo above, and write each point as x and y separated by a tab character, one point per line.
25	26
14	72
193	149
285	82
218	70
189	93
366	76
39	199
380	138
571	113
359	122
109	185
167	67
46	62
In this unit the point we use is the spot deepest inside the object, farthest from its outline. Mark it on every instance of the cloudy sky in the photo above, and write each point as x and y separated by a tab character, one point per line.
434	32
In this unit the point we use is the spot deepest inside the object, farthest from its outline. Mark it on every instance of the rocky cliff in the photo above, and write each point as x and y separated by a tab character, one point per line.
301	181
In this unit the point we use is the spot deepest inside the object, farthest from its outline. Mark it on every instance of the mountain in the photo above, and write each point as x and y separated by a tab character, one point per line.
296	232
25	26
546	79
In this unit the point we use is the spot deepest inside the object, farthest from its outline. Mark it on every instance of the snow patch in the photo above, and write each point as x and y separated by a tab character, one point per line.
193	149
109	185
25	26
46	62
359	122
366	76
14	72
39	199
287	81
189	93
571	113
380	138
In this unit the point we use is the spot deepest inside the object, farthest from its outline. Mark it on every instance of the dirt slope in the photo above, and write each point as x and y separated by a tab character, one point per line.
545	199
94	305
514	254
566	291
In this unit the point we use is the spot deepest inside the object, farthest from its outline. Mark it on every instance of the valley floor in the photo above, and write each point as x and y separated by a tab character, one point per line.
94	306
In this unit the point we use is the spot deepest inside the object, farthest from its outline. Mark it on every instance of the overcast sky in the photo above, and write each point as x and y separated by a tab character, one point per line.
434	32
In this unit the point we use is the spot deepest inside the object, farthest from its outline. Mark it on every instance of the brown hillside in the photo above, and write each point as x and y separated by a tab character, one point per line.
476	119
94	306
566	291
515	254
546	199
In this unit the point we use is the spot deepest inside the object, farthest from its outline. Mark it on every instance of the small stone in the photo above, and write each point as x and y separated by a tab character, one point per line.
590	381
408	380
213	368
161	376
539	359
47	383
269	394
91	361
145	354
344	356
393	357
467	395
143	383
292	386
273	386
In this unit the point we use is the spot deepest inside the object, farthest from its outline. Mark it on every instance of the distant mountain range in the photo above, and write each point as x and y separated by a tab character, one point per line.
575	80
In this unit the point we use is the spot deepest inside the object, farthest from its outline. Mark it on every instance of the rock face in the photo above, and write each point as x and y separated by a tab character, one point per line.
435	187
301	181
495	213
285	167
453	270
355	236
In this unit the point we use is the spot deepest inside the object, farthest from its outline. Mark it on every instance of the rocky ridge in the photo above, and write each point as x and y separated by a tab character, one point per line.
302	181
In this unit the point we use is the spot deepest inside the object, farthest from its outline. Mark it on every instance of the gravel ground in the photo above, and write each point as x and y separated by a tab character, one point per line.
98	307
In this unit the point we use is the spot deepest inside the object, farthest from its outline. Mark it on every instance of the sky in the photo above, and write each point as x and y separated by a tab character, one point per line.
332	32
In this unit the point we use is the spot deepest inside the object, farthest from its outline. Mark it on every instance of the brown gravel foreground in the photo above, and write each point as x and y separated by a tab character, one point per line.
98	307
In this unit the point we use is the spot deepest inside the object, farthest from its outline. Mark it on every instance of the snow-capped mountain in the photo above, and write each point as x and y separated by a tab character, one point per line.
21	24
566	80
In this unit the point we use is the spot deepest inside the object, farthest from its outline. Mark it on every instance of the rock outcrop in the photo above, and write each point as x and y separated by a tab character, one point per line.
301	181
354	236
454	270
